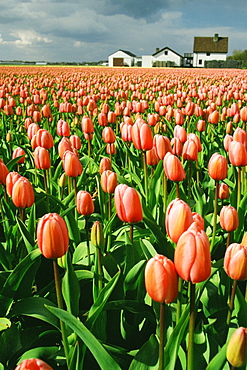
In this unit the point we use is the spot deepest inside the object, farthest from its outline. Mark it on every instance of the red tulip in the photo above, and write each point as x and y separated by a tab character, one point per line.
11	178
108	181
3	172
52	236
243	113
227	140
111	148
223	191
142	136
105	164
71	164
22	193
63	128
152	157
237	154
63	146
84	203
128	204
163	145
235	261
217	167
102	119
108	135
229	218
41	158
44	139
190	150
177	146
75	142
178	219
180	133
240	135
87	125
173	168
32	130
198	219
161	279
201	125
192	256
214	117
46	111
33	364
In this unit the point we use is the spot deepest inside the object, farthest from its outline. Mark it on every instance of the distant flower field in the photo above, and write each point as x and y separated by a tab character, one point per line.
123	233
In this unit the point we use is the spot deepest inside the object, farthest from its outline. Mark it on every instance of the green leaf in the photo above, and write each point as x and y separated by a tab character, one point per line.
219	360
133	276
35	307
103	358
148	356
27	237
70	288
147	249
4	323
101	301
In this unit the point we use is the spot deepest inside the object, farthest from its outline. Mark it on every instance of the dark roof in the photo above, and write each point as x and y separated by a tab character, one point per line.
127	52
210	44
165	48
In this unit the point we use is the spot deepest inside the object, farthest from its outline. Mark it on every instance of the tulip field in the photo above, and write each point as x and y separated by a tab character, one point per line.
123	232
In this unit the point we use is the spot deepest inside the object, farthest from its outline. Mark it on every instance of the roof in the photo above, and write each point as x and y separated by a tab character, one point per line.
165	48
125	51
210	44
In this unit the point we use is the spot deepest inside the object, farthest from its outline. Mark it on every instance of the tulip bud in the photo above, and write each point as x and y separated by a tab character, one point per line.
44	139
236	352
105	164
71	164
3	173
52	236
108	135
84	203
62	180
235	261
97	235
178	219
162	144
173	168
11	179
217	167
22	193
8	137
237	154
223	191
128	204
108	181
161	279
190	150
42	158
33	364
229	218
192	256
63	128
142	136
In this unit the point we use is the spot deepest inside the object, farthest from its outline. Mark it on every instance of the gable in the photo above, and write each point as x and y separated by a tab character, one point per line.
161	51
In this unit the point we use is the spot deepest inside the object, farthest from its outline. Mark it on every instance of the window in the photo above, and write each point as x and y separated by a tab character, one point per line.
200	61
166	52
208	54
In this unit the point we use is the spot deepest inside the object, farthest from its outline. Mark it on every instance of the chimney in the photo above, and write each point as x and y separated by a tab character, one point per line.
157	49
216	37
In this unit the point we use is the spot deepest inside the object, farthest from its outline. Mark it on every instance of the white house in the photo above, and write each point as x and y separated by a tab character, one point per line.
209	48
165	57
122	58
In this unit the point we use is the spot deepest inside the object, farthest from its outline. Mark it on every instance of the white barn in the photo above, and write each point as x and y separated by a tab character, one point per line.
209	48
122	58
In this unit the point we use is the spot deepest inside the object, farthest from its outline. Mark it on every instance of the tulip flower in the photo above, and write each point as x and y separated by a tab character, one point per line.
223	191
142	136
198	219
229	218
3	172
190	150
84	203
75	142
161	279
44	139
108	181
161	283
41	158
22	193
52	236
63	128
235	261
236	352
64	144
11	178
162	144
152	157
237	154
108	135
32	130
217	167
87	125
105	164
128	204
240	135
178	219
17	153
180	133
33	364
71	164
173	168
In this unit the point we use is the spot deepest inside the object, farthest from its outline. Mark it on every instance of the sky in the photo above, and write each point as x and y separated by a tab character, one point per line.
90	30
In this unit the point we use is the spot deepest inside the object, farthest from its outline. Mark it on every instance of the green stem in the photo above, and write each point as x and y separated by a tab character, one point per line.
46	189
100	272
75	198
215	214
109	216
179	299
177	190
239	187
60	305
145	169
228	240
131	232
231	303
165	192
190	354
189	181
161	346
87	238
